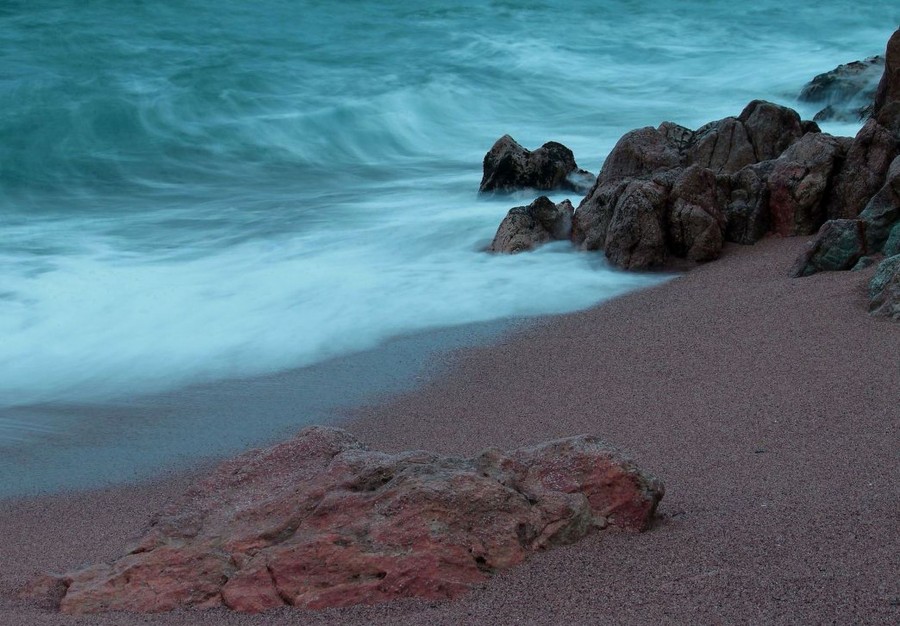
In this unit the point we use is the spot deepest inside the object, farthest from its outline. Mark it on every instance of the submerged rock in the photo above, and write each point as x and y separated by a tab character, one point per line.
321	521
526	227
508	167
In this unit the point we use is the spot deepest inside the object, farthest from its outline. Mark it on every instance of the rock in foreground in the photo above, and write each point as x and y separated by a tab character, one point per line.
320	521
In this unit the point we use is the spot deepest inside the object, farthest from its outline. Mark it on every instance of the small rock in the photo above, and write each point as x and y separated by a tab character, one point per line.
508	167
526	227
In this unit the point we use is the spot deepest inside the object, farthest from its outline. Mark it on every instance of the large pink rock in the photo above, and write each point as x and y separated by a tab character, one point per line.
321	521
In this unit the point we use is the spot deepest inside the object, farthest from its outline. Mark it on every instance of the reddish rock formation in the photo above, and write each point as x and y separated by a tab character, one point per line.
696	220
526	227
798	183
320	521
508	166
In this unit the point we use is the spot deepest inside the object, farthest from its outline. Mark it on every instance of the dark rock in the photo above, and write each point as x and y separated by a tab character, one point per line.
882	213
696	221
508	167
848	90
798	183
636	236
810	126
892	245
863	170
771	128
839	245
526	227
640	153
884	289
722	146
863	263
889	87
747	216
320	521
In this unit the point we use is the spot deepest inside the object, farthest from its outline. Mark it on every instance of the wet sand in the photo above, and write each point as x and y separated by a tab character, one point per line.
770	407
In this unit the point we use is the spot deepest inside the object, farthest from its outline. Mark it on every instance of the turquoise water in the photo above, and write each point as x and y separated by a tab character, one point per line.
192	191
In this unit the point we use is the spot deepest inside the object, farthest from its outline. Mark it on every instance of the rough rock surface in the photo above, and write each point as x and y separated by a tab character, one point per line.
848	91
863	170
882	213
670	192
696	221
798	183
840	244
321	521
889	86
526	227
508	166
884	289
747	216
771	128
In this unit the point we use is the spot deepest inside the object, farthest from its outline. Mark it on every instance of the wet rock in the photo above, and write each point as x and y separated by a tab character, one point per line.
889	87
747	211
863	263
882	213
863	170
839	245
508	167
798	183
321	521
884	289
526	227
696	222
848	91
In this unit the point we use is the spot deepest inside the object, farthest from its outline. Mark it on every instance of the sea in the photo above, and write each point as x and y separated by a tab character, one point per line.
195	191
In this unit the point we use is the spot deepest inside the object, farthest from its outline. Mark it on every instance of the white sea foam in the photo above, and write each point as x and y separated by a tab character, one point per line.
296	182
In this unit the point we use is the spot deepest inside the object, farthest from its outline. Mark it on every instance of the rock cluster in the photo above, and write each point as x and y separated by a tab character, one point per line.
865	200
674	193
321	521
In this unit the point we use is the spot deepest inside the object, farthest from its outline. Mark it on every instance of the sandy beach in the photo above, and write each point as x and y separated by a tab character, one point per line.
769	406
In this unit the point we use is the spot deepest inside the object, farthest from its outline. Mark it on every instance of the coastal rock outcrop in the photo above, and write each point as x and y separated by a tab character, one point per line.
670	192
321	521
526	227
884	289
508	166
847	91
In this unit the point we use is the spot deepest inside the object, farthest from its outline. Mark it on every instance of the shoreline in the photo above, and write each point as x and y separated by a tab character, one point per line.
763	402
